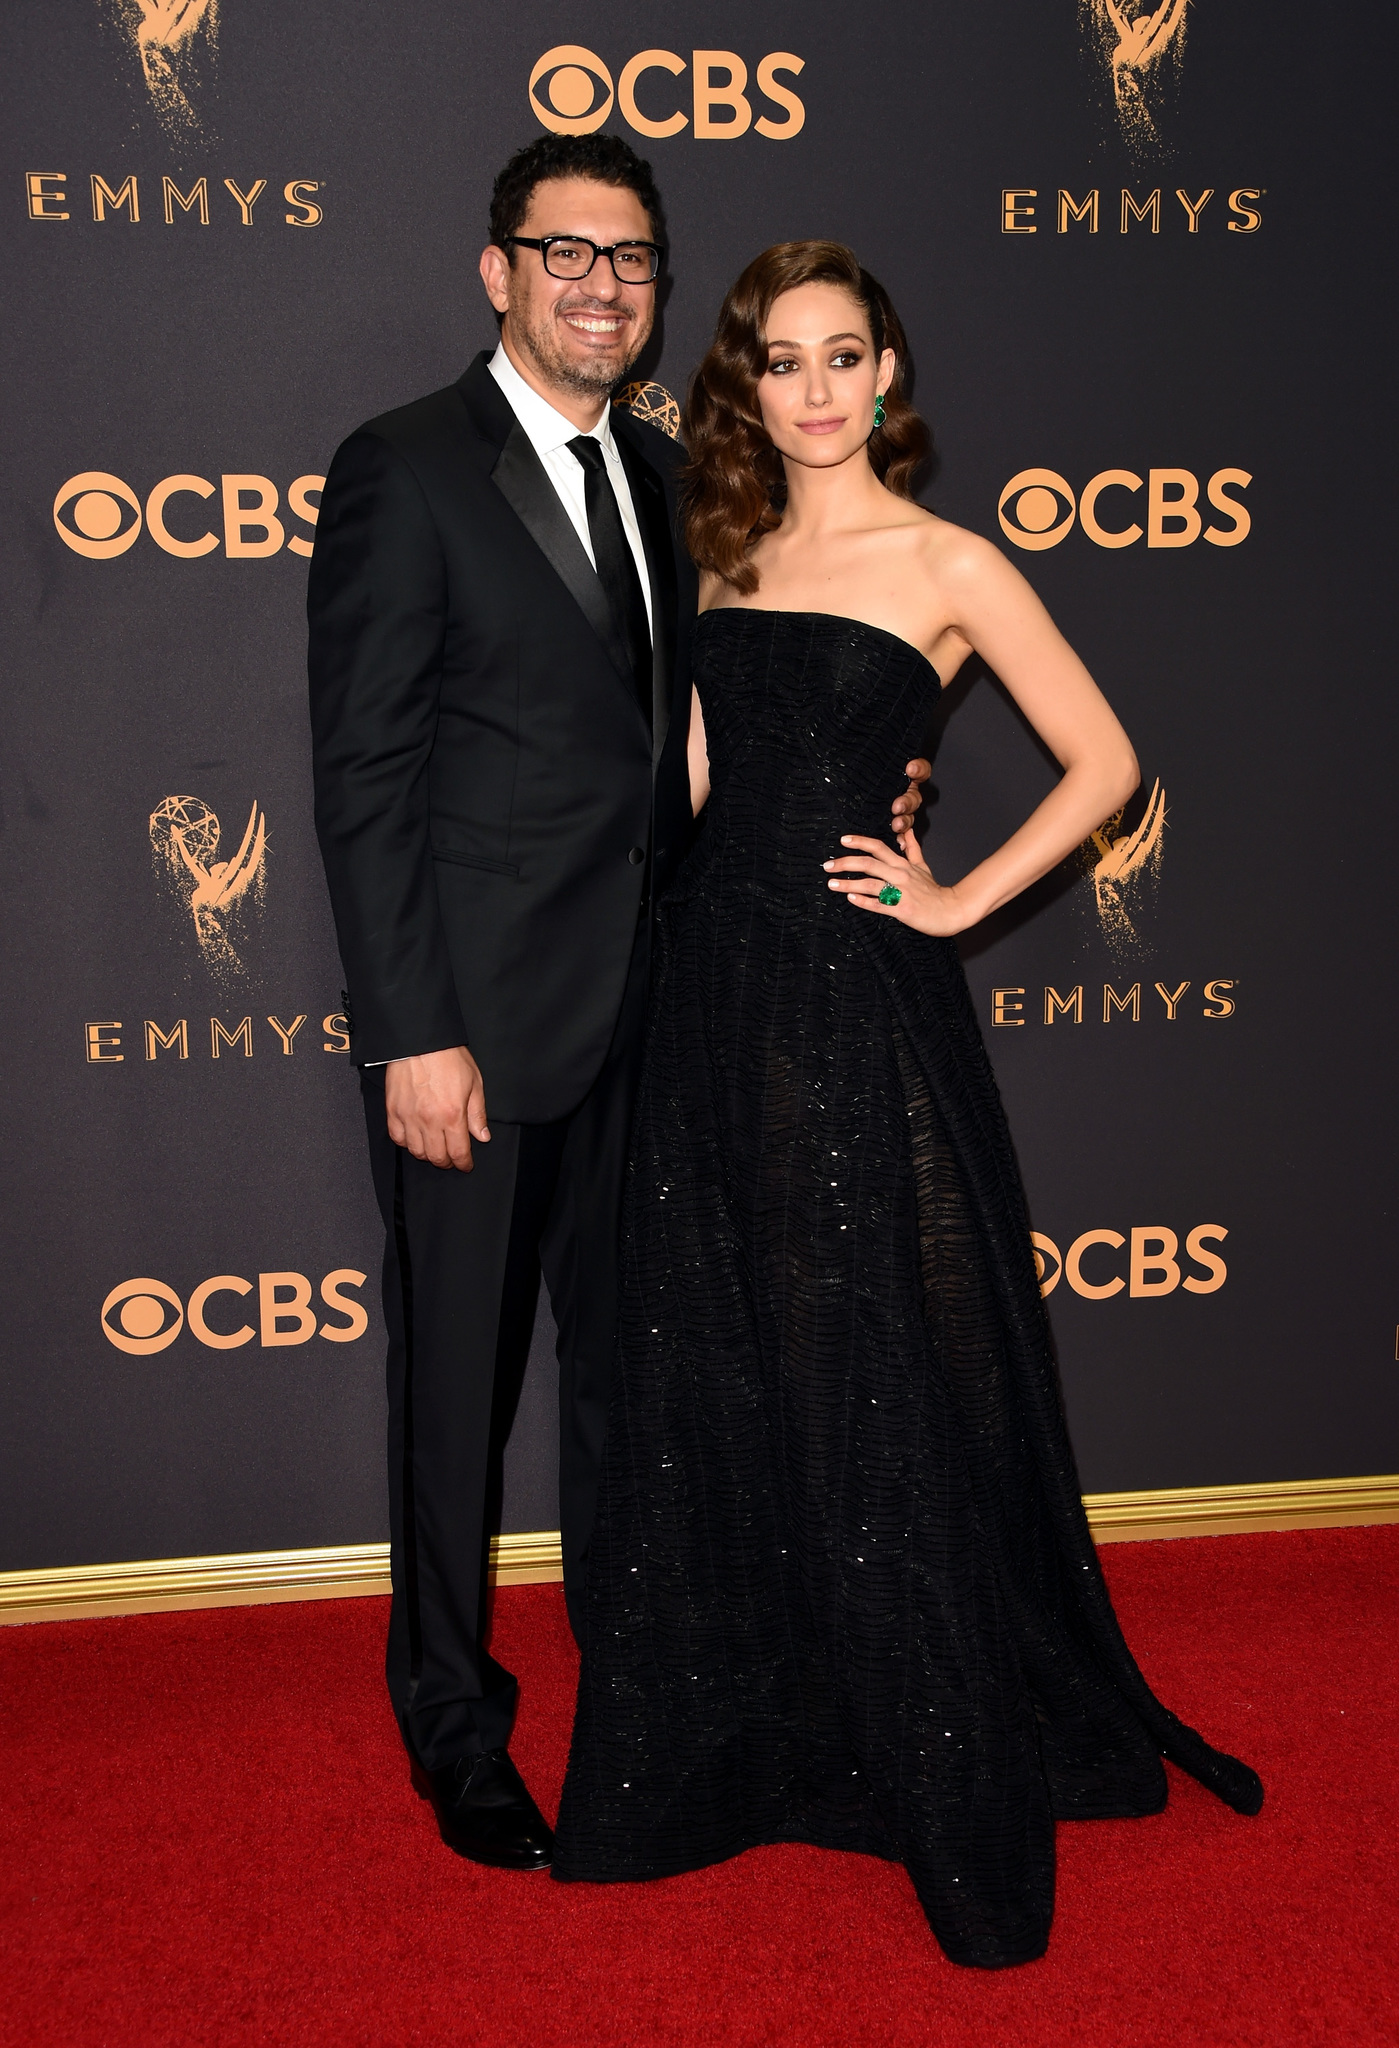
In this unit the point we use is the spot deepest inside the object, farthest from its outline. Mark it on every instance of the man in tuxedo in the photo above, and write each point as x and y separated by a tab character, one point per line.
500	614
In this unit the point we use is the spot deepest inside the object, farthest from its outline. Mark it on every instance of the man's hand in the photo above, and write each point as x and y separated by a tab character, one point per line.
436	1104
906	806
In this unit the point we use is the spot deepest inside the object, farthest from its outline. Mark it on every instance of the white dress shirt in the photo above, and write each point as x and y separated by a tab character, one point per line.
550	434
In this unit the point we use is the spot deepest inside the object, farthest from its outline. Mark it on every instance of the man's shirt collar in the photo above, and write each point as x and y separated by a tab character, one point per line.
547	429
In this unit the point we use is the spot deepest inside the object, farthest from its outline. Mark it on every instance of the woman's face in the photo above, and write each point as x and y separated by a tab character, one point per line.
818	391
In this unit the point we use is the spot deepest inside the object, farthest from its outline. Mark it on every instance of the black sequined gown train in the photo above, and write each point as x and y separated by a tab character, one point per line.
841	1588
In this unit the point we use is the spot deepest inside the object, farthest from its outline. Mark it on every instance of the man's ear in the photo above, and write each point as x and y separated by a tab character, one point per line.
495	276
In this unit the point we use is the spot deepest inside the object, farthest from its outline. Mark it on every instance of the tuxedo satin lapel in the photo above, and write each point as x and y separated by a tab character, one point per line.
658	540
523	482
486	404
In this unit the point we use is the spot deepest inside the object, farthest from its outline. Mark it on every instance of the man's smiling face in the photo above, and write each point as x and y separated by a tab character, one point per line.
577	336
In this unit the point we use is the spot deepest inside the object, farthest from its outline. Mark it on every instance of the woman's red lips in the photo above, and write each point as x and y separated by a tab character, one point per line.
820	426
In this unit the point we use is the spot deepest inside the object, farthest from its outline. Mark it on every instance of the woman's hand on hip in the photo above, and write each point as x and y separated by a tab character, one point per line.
873	877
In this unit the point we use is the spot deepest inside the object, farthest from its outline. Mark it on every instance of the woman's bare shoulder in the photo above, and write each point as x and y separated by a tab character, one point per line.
951	548
959	559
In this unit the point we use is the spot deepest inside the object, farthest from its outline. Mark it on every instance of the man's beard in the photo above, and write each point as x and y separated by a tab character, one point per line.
586	378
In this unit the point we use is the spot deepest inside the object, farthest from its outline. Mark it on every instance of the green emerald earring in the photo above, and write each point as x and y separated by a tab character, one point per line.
879	408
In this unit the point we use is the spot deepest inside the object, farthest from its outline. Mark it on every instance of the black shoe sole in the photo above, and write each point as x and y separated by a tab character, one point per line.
493	1862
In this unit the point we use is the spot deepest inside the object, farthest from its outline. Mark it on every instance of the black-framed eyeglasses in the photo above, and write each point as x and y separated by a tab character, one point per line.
573	256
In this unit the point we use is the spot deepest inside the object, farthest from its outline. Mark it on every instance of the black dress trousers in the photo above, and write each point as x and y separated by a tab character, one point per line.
462	1261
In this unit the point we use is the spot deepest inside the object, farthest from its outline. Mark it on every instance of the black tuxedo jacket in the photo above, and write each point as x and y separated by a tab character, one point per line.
492	812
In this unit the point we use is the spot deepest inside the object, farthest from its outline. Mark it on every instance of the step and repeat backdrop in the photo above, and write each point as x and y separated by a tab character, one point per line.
1135	244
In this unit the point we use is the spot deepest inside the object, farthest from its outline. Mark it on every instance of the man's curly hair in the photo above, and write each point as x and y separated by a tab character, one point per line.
605	158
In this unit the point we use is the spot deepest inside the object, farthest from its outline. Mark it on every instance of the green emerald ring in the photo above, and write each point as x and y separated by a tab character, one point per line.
889	894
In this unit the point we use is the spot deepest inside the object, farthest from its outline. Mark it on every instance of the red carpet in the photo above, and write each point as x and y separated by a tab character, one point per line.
209	1836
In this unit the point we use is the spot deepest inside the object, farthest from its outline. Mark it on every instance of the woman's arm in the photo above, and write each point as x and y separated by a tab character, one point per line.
999	615
698	754
710	590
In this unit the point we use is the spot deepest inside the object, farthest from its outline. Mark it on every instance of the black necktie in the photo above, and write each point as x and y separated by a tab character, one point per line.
616	566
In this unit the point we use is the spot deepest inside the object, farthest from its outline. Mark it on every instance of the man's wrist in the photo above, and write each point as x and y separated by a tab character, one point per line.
402	1058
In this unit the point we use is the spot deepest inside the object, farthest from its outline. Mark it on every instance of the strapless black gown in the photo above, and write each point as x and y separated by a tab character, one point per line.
841	1589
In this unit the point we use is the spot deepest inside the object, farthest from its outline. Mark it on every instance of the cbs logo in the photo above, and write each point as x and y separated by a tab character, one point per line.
99	516
145	1316
1153	1267
1037	508
572	93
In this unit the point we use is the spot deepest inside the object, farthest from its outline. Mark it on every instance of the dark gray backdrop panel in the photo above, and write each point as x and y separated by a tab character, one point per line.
1254	680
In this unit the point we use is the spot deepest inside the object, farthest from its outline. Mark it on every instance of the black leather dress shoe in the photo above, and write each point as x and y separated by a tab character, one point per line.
484	1811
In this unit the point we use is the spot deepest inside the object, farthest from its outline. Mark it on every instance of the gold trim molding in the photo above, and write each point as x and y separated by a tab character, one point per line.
351	1571
1240	1510
356	1570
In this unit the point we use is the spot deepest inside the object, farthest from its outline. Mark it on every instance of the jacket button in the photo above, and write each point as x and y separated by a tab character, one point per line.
637	856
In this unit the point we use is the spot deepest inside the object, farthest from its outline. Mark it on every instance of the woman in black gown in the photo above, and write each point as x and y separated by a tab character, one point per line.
842	1589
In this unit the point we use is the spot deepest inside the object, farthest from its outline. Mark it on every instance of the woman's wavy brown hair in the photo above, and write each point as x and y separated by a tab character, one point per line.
735	485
